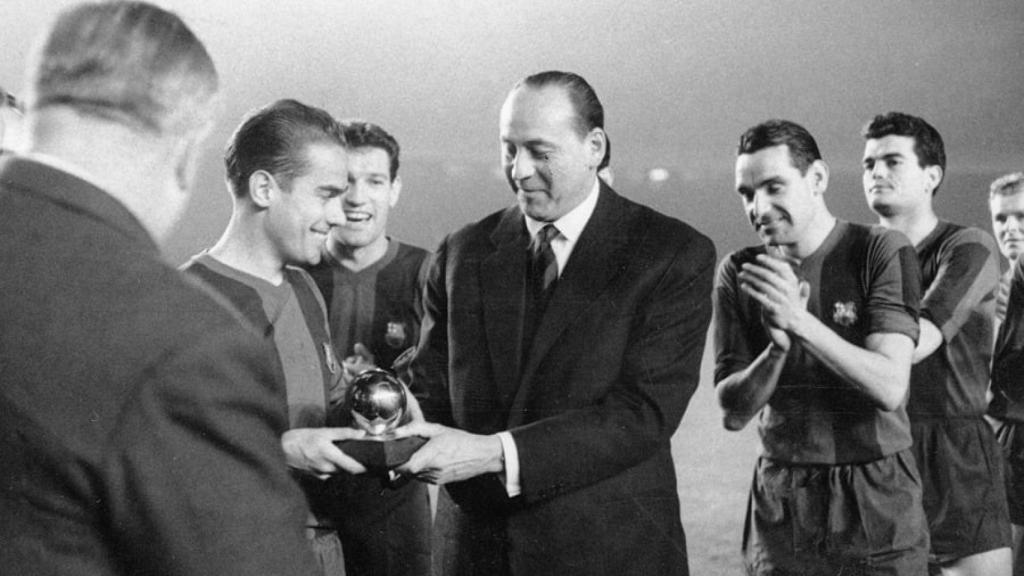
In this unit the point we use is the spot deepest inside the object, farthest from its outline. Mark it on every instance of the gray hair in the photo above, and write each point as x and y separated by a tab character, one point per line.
125	62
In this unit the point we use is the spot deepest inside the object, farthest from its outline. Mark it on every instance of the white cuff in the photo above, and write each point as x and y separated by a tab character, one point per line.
511	474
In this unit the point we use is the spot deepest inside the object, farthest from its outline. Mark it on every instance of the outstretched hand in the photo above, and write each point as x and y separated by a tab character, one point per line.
313	450
450	454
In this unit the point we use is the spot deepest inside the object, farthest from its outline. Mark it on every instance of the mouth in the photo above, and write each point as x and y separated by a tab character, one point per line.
357	217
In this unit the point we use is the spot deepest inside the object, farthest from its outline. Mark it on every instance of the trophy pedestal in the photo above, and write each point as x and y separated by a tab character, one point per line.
381	455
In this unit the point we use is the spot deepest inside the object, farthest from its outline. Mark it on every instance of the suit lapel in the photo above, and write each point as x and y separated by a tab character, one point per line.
502	279
596	259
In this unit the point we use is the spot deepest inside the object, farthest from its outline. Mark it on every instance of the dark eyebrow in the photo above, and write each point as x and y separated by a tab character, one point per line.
534	143
333	190
888	156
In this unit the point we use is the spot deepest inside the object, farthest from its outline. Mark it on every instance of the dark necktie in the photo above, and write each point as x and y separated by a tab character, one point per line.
544	265
541	277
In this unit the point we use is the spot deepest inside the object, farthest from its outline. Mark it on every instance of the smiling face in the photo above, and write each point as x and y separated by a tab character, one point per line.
1008	223
549	165
781	203
371	195
895	183
300	218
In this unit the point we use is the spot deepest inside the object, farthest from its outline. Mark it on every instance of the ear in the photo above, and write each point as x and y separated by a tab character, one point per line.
185	154
933	175
262	187
818	173
396	191
596	141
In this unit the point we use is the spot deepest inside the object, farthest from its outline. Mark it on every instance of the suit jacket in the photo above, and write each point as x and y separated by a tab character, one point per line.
591	405
139	421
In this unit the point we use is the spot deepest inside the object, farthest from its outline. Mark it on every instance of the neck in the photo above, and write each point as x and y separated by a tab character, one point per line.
244	247
356	258
915	225
146	185
815	236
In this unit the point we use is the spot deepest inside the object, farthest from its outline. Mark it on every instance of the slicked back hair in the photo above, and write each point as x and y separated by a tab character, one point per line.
803	150
360	134
275	139
589	111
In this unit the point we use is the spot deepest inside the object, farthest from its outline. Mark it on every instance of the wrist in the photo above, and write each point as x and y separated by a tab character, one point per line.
777	351
798	326
496	463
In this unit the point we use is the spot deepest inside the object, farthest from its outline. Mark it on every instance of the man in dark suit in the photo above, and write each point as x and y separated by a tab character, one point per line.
559	361
139	421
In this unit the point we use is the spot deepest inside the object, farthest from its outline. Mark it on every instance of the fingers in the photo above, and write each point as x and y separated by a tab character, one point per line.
782	265
363	352
313	450
419	428
343	461
341	433
413	406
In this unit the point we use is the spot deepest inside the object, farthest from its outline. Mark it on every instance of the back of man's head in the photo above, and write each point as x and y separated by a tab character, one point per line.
589	111
928	144
130	63
274	139
360	134
803	150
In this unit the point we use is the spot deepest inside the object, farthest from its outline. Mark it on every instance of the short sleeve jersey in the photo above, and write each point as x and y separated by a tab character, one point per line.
1008	363
378	306
292	316
960	279
862	280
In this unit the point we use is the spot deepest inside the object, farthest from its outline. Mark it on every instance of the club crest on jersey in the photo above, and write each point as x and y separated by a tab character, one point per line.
844	313
395	336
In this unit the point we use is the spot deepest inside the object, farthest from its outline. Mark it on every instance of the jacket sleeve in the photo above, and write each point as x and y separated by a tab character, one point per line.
195	479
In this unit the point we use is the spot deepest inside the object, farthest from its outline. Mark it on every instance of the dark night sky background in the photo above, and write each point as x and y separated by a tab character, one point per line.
679	81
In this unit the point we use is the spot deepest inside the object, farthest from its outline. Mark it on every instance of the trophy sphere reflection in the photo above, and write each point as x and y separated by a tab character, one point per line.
377	402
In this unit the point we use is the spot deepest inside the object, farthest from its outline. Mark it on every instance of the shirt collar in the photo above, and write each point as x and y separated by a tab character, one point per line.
571	225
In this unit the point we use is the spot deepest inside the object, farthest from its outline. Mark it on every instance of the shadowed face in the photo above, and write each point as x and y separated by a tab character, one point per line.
1008	223
549	165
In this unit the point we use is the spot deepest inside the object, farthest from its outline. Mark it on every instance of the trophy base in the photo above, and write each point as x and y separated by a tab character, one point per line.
381	455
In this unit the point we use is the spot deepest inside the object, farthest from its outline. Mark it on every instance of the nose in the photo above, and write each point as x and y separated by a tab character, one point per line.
333	213
521	167
758	205
355	195
1013	223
